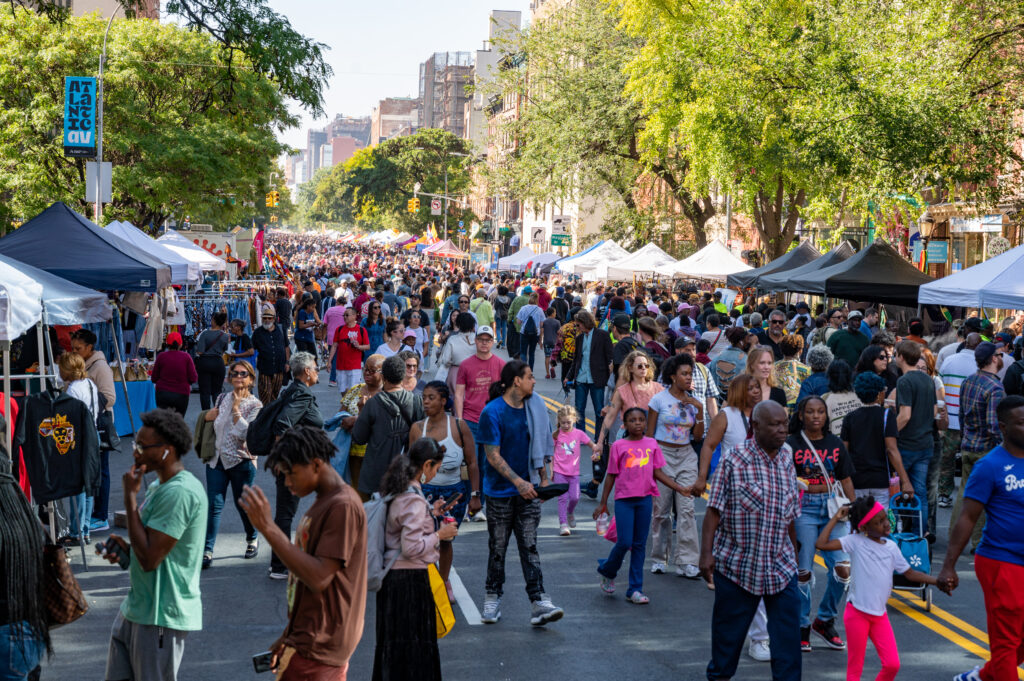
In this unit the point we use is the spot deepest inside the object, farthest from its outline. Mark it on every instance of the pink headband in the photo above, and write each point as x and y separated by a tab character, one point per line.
876	509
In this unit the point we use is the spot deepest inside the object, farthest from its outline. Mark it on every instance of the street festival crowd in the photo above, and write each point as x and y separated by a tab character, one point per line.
806	428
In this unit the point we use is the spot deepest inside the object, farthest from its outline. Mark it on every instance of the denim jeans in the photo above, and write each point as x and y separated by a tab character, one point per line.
528	348
596	394
79	514
501	328
481	457
916	462
17	660
334	366
217	480
632	525
101	503
731	616
505	516
809	524
934	469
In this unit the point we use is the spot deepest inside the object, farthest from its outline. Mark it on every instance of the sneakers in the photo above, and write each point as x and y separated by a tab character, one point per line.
479	517
607	585
278	574
945	501
572	520
563	530
658	568
332	384
760	651
638	598
99	525
973	675
207	559
252	549
827	631
544	611
805	639
688	571
492	609
590	489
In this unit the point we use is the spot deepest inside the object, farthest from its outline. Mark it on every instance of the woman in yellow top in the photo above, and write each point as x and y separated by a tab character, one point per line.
789	372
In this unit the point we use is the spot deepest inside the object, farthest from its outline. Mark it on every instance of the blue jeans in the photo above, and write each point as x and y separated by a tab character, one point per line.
17	660
916	462
501	328
436	492
100	508
217	480
596	394
79	514
731	617
334	368
528	347
812	519
481	457
632	525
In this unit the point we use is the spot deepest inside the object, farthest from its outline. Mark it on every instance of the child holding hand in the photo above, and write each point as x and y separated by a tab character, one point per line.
634	463
873	559
565	465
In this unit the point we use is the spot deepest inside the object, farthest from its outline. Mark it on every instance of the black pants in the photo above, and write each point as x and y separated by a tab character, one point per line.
168	400
211	372
528	347
101	503
513	340
305	346
285	507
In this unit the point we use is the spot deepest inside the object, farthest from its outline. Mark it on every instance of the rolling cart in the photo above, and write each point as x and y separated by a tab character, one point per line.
907	532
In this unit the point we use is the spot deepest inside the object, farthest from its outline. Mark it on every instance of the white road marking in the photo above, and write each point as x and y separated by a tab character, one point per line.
465	601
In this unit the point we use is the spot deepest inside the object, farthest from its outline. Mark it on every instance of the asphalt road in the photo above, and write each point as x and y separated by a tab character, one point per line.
599	637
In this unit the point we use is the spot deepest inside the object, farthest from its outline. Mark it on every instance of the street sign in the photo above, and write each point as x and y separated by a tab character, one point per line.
80	117
435	206
90	182
461	223
560	224
561	240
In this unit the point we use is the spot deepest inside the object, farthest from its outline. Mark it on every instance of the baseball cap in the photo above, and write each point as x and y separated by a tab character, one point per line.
973	324
527	290
621	321
484	331
686	340
855	314
409	333
803	306
984	352
684	306
1004	338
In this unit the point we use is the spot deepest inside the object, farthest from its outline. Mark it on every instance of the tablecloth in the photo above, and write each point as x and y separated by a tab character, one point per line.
143	398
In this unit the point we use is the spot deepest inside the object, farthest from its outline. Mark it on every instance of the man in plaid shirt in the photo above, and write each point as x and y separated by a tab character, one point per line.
749	547
980	393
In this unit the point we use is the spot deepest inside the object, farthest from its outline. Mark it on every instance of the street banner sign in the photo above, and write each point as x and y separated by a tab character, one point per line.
561	240
435	206
80	117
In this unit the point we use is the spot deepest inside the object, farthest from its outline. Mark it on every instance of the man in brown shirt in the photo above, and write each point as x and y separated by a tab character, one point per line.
327	562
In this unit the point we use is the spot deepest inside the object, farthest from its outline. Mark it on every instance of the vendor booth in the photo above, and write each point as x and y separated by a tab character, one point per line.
996	283
790	280
605	252
645	262
183	271
193	253
801	255
714	261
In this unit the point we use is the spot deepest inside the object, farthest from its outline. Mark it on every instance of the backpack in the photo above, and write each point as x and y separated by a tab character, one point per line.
529	326
379	560
259	438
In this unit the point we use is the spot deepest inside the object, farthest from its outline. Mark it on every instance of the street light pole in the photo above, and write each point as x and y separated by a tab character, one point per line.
99	122
446	200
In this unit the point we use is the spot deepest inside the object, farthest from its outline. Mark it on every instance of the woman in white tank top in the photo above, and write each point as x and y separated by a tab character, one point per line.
729	427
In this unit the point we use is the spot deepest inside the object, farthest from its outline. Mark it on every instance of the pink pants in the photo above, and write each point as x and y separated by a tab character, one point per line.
567	502
859	627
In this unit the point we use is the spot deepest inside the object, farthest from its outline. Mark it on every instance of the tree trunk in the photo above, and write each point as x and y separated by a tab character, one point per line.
775	217
697	209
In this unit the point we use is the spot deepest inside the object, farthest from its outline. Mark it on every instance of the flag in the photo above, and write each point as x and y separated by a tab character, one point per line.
946	314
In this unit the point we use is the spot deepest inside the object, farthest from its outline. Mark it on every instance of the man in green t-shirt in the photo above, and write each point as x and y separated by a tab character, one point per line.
849	343
165	554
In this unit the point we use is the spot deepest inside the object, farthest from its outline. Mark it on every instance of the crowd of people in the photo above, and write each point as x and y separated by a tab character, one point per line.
800	427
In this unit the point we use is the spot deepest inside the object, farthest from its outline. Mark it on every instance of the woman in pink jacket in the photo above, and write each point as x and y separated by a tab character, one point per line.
406	628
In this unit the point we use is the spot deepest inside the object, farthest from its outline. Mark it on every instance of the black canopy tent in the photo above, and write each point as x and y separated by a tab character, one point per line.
786	280
877	273
801	255
65	243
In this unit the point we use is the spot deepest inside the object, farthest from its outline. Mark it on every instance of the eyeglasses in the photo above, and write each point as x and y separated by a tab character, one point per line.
836	316
368	370
463	301
777	321
239	374
139	449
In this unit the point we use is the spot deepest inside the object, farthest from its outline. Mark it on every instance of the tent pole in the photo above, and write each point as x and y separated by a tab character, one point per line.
124	383
42	357
9	429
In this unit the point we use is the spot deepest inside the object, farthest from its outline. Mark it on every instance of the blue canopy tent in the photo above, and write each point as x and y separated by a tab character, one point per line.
558	265
66	244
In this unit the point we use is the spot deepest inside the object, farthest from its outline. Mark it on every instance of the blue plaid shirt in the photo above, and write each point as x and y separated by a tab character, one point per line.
979	395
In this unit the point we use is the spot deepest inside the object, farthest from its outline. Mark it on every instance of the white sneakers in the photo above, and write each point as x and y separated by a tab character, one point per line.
688	571
760	650
658	568
563	530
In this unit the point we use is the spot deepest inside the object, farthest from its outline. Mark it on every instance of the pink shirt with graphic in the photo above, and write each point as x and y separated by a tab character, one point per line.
567	451
633	462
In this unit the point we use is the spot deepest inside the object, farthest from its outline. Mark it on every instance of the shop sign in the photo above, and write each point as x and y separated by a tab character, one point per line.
938	252
979	225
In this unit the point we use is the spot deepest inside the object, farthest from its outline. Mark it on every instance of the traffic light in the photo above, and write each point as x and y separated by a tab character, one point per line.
276	196
273	218
270	199
413	205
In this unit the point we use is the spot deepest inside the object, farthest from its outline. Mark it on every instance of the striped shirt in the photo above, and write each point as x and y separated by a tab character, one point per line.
954	370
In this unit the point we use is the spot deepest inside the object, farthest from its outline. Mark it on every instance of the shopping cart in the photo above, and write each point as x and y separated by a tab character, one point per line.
907	532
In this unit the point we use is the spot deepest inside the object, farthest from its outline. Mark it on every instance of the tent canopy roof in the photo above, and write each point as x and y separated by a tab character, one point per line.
188	250
648	259
998	282
714	261
877	273
63	242
792	280
183	271
65	302
801	255
607	251
521	256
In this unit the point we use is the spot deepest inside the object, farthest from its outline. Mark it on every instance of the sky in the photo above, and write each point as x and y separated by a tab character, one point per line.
376	46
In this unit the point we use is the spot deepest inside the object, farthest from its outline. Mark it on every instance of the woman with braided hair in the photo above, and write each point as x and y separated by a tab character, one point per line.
24	633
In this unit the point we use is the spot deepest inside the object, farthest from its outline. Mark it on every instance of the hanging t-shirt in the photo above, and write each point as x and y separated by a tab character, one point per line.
833	456
997	482
633	462
326	626
871	567
168	596
503	425
566	460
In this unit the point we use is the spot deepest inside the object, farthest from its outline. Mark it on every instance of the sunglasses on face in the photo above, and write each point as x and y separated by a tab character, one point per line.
371	371
238	374
414	367
778	321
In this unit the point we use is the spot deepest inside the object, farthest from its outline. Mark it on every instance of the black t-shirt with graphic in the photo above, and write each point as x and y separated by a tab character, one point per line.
833	455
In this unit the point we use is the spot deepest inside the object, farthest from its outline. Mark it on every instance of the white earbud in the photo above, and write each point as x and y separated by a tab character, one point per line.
166	452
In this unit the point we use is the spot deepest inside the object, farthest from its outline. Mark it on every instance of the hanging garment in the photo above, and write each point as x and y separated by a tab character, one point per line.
61	446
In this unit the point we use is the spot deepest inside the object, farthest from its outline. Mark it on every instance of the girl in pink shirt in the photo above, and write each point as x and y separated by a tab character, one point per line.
634	464
565	466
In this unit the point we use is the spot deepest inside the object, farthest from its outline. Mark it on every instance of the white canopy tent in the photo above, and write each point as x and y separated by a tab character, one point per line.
609	251
183	271
520	257
997	283
539	260
714	261
646	261
182	246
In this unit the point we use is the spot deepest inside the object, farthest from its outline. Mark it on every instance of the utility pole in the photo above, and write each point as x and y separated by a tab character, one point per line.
99	122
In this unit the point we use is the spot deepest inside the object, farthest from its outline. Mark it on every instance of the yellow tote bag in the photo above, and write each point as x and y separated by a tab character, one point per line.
442	606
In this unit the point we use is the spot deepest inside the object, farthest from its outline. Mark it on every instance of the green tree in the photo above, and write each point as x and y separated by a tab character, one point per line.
176	146
577	133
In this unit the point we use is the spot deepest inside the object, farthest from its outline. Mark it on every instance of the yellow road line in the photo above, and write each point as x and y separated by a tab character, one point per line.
553	406
949	617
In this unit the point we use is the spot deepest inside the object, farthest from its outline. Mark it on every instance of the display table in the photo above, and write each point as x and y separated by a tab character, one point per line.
143	398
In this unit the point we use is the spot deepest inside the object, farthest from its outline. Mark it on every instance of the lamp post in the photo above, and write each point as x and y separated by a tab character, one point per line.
445	161
99	122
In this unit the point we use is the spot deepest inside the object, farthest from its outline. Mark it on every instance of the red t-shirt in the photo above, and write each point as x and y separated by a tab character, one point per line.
477	375
349	358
